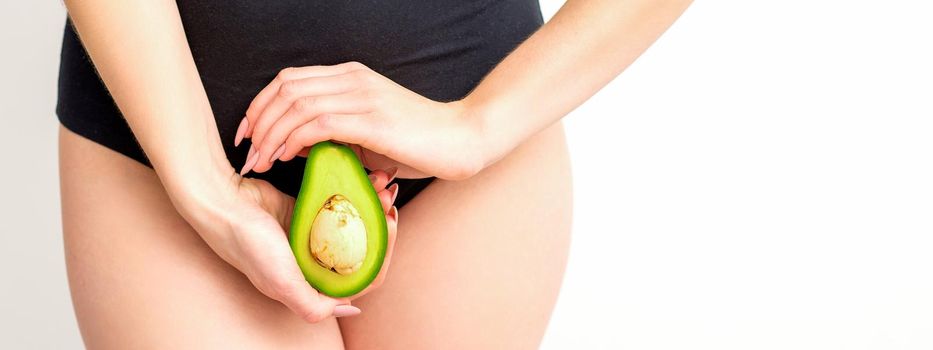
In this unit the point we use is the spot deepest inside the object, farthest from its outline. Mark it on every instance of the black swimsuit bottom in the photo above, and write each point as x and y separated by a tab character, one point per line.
440	49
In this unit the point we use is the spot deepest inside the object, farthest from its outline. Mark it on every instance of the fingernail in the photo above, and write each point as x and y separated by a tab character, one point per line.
251	160
394	190
240	132
346	310
392	172
373	178
393	213
278	153
249	128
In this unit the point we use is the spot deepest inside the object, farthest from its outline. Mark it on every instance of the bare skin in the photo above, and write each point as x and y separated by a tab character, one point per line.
480	253
142	278
486	253
478	263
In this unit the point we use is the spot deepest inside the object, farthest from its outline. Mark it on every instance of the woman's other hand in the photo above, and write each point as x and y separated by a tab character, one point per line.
351	103
248	230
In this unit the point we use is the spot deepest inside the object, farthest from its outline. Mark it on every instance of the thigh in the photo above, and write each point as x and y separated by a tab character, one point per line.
478	263
141	278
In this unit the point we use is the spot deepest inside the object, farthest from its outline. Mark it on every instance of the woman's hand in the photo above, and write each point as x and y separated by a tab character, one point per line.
350	103
246	230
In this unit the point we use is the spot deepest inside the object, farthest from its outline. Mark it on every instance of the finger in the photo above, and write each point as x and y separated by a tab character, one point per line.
280	205
267	93
351	128
393	171
303	111
293	90
382	178
288	212
379	179
392	193
385	198
392	223
296	294
378	160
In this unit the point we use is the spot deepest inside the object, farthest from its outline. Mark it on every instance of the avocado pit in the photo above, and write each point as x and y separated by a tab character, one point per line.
338	236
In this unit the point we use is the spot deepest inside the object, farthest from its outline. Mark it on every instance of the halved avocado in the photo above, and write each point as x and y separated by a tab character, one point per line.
335	203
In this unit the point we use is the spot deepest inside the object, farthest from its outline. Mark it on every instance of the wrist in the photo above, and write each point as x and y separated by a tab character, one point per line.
201	194
491	139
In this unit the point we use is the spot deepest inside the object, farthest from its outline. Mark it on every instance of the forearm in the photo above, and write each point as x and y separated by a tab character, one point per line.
583	47
141	53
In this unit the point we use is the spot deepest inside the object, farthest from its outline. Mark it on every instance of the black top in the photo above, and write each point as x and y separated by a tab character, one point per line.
440	49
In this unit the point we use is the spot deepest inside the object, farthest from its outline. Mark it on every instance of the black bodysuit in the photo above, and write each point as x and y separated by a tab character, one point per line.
440	49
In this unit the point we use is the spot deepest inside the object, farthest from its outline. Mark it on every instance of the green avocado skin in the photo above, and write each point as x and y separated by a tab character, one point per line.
334	169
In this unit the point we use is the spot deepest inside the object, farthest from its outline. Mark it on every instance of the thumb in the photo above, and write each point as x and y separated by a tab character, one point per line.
273	201
307	303
289	210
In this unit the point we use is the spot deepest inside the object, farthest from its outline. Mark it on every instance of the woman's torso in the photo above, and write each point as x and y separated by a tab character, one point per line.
440	49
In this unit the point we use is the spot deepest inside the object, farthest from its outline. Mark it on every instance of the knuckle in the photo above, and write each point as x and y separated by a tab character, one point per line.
251	110
355	65
370	78
286	73
314	315
295	139
288	89
268	146
305	104
282	289
290	143
325	121
361	77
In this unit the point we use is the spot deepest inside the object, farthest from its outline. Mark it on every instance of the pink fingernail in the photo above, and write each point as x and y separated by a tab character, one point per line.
392	172
249	128
251	160
346	310
278	153
240	132
394	190
252	150
373	178
393	213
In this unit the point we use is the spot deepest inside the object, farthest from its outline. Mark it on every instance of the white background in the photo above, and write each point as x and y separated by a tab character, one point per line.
759	179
